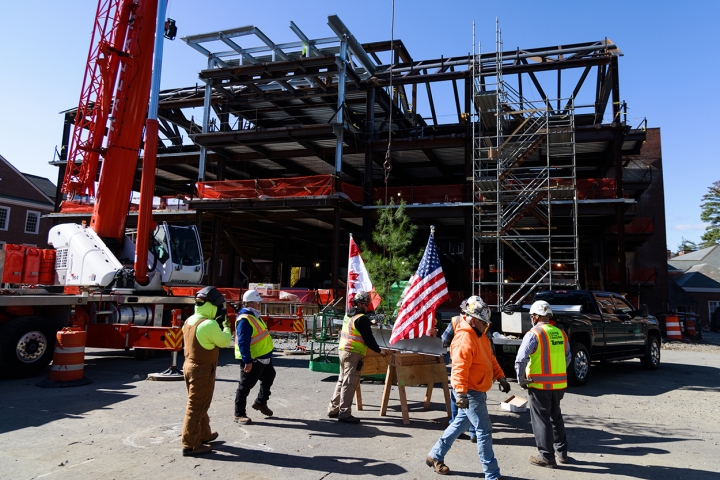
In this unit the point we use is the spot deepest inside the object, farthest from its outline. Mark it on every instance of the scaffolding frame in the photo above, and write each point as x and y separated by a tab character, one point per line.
520	174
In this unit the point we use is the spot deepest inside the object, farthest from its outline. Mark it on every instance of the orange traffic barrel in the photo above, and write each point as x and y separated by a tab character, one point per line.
690	327
68	366
672	327
47	266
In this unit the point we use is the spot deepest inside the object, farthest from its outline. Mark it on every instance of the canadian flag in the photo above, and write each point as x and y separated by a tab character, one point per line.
358	277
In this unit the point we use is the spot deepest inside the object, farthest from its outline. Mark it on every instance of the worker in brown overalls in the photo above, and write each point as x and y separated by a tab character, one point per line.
204	333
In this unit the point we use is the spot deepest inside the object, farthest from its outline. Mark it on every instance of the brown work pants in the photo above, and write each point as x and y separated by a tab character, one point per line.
200	383
350	366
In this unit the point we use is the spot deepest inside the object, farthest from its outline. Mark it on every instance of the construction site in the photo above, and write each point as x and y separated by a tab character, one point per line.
537	180
237	201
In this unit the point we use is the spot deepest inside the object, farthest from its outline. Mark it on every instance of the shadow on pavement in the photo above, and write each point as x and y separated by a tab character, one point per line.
333	429
649	472
341	465
629	378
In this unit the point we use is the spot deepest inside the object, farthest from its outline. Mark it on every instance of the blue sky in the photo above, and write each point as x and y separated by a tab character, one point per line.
668	73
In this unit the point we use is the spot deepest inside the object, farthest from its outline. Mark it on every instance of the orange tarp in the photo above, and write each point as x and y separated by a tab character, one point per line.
271	187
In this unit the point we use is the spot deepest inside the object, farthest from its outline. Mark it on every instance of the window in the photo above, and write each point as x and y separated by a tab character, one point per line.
622	305
4	218
32	222
712	306
605	304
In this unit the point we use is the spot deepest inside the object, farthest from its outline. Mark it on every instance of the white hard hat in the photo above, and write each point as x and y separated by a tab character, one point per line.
252	296
542	308
476	307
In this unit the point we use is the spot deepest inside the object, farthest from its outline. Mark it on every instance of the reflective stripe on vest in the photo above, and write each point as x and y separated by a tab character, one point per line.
547	369
260	342
352	341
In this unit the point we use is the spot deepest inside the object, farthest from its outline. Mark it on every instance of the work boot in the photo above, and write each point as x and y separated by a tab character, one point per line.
439	467
562	457
333	414
262	409
201	450
213	436
242	420
541	462
349	419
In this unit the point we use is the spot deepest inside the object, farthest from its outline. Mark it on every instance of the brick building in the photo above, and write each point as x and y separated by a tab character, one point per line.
24	200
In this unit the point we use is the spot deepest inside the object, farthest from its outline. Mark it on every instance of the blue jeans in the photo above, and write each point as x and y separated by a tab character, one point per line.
476	415
454	411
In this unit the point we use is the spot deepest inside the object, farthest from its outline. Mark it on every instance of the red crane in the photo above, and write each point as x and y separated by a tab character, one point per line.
117	79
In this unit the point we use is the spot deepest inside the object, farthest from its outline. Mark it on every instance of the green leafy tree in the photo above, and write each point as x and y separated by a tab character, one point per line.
390	263
711	214
686	245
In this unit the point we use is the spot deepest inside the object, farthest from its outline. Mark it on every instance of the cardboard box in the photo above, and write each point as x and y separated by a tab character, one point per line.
514	404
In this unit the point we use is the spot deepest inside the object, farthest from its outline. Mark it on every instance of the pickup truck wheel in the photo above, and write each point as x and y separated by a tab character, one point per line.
26	346
651	360
579	369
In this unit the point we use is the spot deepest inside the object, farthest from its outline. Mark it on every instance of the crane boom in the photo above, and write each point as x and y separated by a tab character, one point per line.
117	76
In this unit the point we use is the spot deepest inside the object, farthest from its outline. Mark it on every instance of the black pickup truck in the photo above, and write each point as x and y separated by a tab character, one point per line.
601	326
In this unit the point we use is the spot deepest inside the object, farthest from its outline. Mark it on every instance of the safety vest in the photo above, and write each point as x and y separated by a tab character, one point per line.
547	368
261	343
350	339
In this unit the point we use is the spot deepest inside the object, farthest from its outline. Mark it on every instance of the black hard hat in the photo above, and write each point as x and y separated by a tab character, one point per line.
361	296
212	295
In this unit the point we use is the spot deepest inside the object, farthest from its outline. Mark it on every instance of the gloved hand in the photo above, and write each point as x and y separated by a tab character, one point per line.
461	400
503	385
221	317
523	382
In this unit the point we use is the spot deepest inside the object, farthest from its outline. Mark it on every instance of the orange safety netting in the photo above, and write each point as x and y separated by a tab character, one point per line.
271	187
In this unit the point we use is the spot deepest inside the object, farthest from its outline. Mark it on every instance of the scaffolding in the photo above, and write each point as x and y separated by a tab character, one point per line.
525	201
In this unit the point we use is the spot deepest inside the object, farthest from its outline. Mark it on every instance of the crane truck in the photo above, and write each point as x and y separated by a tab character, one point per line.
117	290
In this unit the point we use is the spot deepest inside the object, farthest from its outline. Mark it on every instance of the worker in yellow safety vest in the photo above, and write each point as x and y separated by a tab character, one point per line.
355	338
541	367
253	349
204	334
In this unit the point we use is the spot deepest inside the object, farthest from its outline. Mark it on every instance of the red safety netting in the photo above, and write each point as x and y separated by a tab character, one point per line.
271	187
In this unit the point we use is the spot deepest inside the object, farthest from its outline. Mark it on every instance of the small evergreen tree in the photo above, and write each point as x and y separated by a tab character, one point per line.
686	245
711	213
392	236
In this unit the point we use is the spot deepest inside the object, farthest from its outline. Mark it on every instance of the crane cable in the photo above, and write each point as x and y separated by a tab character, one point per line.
387	166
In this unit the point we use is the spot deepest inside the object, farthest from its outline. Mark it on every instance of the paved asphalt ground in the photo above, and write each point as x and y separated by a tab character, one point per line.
625	423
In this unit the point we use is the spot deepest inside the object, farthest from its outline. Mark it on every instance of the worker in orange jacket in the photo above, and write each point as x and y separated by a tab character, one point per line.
474	369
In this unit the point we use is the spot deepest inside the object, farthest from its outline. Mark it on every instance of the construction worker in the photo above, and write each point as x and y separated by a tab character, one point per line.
253	349
545	378
447	338
204	334
356	337
474	369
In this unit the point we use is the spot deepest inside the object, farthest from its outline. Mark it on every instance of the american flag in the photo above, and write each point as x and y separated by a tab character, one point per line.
426	291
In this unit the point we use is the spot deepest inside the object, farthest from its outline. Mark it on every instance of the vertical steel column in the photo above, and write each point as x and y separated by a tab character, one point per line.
286	271
339	131
468	258
368	173
340	115
206	122
214	252
64	146
618	136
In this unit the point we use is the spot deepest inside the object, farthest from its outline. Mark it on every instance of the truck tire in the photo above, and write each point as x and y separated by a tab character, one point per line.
579	369
651	359
26	346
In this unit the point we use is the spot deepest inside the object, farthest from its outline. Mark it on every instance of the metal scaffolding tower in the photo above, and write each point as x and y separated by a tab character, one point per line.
524	189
